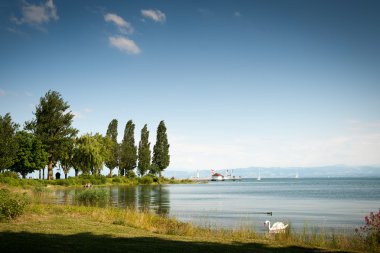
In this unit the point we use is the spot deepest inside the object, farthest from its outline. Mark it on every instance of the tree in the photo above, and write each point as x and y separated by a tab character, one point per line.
8	142
52	126
144	152
30	156
67	158
113	160
88	154
128	152
161	157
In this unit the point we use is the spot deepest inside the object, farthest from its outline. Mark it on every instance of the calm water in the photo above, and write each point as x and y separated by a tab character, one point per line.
338	204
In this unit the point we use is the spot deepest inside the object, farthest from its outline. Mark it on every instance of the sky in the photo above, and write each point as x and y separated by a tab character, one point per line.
238	83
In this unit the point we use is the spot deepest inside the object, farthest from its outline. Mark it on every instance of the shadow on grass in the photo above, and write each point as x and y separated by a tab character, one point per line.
88	242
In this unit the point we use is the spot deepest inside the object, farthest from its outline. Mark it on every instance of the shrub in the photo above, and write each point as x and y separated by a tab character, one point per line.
370	232
146	180
93	197
11	204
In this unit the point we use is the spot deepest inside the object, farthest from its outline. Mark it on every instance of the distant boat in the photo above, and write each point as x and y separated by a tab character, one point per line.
297	176
259	177
217	177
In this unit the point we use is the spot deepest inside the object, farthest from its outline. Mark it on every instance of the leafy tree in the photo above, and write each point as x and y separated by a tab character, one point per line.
67	158
52	126
144	152
8	142
89	153
128	152
161	157
30	156
113	160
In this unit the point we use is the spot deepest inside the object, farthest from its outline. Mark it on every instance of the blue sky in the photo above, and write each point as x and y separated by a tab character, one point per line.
238	83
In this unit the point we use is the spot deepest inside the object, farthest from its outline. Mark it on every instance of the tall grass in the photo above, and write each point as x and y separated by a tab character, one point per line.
93	197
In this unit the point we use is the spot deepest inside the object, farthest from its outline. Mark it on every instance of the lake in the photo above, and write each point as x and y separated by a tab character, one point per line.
332	203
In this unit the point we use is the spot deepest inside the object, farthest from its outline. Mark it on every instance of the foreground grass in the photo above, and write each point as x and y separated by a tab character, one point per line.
52	228
64	228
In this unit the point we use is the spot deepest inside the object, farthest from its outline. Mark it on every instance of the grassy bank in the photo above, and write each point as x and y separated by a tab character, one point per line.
60	228
12	179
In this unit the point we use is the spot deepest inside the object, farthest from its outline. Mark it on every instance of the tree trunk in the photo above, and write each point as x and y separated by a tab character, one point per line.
76	172
43	174
50	170
23	175
110	175
65	175
39	174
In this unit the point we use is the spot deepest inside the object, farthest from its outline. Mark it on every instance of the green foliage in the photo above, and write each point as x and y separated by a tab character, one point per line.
11	204
112	160
12	179
67	158
147	179
8	142
128	151
161	157
93	196
144	152
89	153
30	156
52	126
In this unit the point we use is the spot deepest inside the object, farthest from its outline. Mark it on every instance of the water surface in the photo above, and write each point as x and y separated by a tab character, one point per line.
331	203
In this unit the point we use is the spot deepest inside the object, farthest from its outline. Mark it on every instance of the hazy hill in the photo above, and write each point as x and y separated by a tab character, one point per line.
275	172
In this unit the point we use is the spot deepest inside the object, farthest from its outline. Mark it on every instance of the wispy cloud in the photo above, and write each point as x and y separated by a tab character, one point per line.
2	92
123	26
237	14
36	15
155	15
124	44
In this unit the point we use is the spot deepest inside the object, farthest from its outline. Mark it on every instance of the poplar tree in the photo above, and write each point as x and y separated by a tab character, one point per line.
144	152
8	142
128	153
52	126
161	157
113	160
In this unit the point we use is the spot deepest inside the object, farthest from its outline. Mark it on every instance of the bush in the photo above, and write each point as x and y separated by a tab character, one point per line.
11	204
146	180
10	174
93	197
370	232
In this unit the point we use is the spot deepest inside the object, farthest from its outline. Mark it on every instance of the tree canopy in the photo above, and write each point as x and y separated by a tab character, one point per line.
113	160
30	156
144	152
128	150
89	153
8	142
52	125
161	157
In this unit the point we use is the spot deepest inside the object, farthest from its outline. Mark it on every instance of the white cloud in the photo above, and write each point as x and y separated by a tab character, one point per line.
2	92
237	14
124	44
124	26
155	15
37	15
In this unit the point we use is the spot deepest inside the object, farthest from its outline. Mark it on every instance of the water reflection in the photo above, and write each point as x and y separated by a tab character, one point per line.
142	197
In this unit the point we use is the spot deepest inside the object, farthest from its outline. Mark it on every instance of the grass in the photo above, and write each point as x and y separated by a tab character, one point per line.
62	228
12	179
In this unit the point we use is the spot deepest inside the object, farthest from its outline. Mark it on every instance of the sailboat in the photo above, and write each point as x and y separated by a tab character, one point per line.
259	177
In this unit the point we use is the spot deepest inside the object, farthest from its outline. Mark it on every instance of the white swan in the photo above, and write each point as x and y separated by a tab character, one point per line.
278	227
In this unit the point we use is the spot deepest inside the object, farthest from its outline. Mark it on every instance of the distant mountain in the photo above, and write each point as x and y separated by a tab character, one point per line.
287	172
